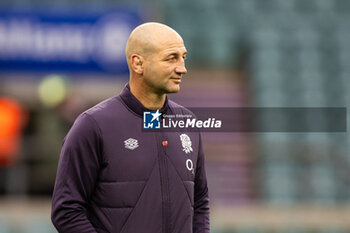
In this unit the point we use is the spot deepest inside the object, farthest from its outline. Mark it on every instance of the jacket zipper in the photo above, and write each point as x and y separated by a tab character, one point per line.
164	181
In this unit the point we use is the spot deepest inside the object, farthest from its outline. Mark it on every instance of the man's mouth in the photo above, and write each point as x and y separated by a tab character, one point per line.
176	79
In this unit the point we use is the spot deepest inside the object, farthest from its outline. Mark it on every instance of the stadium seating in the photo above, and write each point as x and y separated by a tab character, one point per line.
298	56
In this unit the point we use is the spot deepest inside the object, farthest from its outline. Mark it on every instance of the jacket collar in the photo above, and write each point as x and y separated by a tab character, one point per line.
135	105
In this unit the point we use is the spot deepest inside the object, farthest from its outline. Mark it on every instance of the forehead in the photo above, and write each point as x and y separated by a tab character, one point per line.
169	47
164	39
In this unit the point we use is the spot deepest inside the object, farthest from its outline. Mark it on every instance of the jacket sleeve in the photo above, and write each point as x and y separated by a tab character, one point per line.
201	197
76	177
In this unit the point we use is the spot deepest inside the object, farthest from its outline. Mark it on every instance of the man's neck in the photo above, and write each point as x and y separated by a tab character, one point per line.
148	99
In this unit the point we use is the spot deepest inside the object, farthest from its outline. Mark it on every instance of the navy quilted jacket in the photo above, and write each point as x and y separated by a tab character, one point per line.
114	177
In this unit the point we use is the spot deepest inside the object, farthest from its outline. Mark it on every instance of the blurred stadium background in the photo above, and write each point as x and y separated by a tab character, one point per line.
242	53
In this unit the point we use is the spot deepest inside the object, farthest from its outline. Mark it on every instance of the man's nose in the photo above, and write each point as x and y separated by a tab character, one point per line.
181	69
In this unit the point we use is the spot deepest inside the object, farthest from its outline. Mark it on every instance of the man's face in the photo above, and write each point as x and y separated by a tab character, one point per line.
165	67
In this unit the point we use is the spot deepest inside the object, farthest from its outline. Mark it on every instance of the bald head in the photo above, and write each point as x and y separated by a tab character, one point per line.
156	58
148	37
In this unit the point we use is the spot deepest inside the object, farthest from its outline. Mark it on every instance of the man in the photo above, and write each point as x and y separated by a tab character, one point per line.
115	177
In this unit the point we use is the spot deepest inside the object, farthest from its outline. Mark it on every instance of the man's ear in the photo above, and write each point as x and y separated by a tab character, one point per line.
137	63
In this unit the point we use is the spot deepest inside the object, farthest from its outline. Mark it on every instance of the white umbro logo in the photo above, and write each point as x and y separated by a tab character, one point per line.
131	144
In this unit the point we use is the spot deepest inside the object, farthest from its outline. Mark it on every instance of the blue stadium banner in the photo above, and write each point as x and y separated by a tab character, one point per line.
67	42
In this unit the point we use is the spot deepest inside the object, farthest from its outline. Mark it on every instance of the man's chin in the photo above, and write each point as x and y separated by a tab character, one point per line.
173	89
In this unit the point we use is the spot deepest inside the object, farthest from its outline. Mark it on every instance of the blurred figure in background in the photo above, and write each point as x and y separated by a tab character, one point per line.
12	120
10	125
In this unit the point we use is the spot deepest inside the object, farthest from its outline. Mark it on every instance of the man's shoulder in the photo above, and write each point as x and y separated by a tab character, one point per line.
173	105
177	108
106	107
